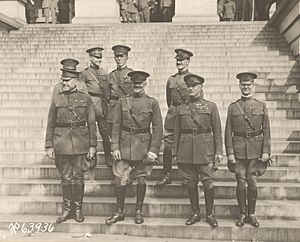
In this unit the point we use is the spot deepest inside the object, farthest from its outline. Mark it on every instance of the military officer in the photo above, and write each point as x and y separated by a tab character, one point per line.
96	81
176	94
198	146
71	138
133	145
119	83
247	141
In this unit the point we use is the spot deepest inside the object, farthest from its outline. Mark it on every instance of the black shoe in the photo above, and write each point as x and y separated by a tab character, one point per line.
253	221
195	217
139	218
166	180
78	213
67	214
116	217
241	220
211	220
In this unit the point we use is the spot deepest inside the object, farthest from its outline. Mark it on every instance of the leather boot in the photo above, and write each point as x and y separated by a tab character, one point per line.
252	196
166	180
241	199
119	214
209	195
194	200
167	167
67	203
140	195
78	199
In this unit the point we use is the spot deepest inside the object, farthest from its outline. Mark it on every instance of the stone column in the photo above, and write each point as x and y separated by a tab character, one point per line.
14	9
96	11
195	11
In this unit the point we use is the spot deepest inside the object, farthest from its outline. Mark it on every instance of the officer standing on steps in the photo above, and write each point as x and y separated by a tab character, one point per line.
71	138
95	79
120	84
176	94
134	145
198	147
248	144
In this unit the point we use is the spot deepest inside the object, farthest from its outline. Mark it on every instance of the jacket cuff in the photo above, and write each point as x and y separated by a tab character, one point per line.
154	149
114	147
229	151
48	144
93	142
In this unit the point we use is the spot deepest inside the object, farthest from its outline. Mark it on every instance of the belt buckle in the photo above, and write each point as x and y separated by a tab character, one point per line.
195	131
72	123
132	130
248	134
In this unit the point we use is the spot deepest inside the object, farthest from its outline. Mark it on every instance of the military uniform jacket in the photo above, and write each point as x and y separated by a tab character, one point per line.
120	85
97	86
147	113
70	140
247	147
197	147
176	93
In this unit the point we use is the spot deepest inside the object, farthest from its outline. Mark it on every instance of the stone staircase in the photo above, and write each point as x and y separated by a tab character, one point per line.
29	68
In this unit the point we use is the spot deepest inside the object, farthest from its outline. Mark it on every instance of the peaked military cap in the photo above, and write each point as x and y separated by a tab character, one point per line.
193	80
120	49
138	76
95	51
246	76
182	54
66	75
69	65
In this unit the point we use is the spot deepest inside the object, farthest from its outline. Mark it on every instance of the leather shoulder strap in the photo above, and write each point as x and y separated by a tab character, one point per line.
130	112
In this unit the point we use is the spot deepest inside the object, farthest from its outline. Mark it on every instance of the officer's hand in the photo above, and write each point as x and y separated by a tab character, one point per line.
117	154
265	157
92	152
50	153
150	158
231	158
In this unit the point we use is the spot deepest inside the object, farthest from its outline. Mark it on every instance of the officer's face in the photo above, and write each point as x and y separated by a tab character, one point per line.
139	87
121	59
182	65
195	91
69	85
246	87
95	61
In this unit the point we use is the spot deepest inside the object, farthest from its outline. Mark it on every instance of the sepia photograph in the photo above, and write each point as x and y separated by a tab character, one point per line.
150	120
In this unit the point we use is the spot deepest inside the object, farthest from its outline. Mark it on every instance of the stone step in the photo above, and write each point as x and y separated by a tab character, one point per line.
35	144
42	112
270	74
21	131
214	61
210	93
69	237
165	54
104	188
102	172
165	208
230	68
38	158
269	231
222	104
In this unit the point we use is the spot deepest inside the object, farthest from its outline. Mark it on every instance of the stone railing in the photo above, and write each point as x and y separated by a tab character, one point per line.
8	24
287	20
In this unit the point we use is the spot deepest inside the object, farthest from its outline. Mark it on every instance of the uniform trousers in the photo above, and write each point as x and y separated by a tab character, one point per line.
70	168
